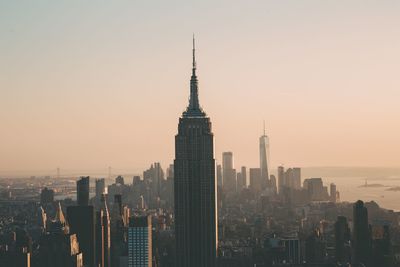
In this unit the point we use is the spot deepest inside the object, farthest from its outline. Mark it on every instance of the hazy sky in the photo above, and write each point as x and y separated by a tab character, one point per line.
92	84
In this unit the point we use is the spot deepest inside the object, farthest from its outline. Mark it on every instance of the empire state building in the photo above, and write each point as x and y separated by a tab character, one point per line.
195	185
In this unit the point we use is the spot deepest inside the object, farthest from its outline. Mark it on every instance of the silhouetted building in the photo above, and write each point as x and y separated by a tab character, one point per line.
58	247
81	220
140	242
195	186
342	241
103	235
82	191
100	188
46	196
381	245
361	234
117	231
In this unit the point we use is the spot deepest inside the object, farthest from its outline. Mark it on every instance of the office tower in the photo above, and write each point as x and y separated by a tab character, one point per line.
103	238
296	178
46	196
154	176
100	187
81	220
228	173
140	242
281	177
255	179
219	176
288	178
82	191
170	171
239	182
195	185
361	234
117	230
244	175
264	159
272	182
316	189
333	192
342	240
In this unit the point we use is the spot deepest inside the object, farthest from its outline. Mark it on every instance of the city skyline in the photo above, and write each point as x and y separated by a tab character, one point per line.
321	75
119	164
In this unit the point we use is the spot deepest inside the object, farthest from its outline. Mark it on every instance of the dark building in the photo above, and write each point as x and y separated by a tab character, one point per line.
117	231
195	185
342	240
103	235
120	180
46	196
82	191
81	220
100	188
58	247
361	234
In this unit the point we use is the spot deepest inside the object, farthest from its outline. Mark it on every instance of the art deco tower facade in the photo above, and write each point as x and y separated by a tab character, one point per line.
195	185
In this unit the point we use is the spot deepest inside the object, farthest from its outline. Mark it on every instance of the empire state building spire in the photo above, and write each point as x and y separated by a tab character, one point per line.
194	109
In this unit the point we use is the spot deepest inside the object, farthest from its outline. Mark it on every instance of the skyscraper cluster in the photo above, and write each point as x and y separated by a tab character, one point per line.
197	214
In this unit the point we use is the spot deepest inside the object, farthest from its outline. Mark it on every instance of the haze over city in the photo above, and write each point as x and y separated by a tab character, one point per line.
90	85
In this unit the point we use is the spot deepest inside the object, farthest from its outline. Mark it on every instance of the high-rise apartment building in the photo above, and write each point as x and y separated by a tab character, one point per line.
140	242
195	185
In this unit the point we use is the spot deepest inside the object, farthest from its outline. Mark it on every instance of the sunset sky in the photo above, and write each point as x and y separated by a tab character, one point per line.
92	84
